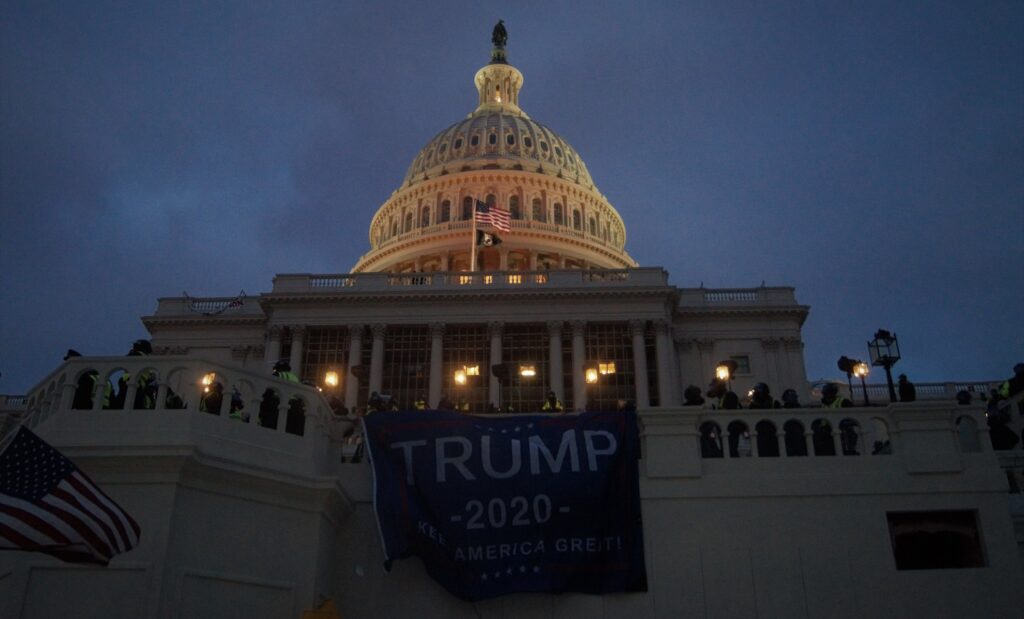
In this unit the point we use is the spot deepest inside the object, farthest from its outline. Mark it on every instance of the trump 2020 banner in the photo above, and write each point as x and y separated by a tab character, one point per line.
526	503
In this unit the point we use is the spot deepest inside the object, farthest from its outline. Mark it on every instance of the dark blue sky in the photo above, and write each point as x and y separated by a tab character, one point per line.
869	154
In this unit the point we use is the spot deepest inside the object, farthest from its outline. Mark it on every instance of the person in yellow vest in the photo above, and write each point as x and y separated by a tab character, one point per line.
462	405
421	403
283	369
552	404
830	397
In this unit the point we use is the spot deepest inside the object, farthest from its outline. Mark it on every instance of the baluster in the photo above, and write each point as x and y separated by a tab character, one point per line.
725	445
161	396
754	451
837	441
781	438
809	442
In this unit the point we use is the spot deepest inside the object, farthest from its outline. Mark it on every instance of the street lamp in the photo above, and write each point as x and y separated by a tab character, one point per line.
885	351
331	379
724	372
861	369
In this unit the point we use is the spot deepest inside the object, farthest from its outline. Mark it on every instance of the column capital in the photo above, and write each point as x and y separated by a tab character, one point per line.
770	343
683	343
555	327
379	329
297	329
663	326
437	329
579	327
356	330
637	326
792	343
275	331
495	329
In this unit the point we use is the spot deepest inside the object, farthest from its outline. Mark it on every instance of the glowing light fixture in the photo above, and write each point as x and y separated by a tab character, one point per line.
861	369
472	370
527	371
591	375
722	372
460	377
606	368
331	379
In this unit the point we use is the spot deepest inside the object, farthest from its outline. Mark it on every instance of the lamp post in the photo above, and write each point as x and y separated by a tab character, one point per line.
847	364
885	351
861	369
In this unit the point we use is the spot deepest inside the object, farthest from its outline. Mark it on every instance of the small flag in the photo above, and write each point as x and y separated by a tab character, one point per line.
48	505
499	218
486	239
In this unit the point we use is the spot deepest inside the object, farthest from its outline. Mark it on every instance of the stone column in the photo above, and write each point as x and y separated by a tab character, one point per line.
643	398
273	353
705	346
355	357
445	265
377	357
770	345
436	363
555	382
418	264
533	261
579	352
668	381
298	334
494	329
797	378
502	259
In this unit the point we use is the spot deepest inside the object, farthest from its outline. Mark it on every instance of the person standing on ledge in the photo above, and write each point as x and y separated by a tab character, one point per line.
907	391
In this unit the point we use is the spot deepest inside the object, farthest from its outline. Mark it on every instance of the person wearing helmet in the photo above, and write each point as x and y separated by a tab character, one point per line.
421	403
762	397
692	396
283	369
1015	385
830	397
907	391
726	400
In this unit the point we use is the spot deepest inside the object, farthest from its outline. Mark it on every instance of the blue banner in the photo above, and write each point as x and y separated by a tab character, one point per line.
523	503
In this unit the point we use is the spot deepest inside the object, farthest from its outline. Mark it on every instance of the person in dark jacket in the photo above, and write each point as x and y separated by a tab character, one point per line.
692	396
762	397
906	389
790	399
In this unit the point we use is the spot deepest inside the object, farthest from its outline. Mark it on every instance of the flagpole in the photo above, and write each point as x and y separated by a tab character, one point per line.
472	243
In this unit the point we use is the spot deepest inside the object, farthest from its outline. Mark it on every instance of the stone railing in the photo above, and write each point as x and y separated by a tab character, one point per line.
923	437
735	297
141	385
368	282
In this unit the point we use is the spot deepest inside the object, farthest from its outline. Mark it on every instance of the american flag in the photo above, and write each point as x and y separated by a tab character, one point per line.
48	505
497	217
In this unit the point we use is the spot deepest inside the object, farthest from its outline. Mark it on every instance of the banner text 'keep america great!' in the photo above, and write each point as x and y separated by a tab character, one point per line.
524	503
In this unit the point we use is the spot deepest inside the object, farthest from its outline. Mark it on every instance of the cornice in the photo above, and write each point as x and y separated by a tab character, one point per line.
202	320
271	299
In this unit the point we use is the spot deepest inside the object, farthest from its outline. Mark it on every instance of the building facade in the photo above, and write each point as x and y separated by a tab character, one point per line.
747	513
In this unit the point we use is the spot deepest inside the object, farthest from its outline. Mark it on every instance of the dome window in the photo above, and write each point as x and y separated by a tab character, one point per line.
577	221
473	141
492	139
467	208
458	144
559	215
446	211
528	142
558	151
442	147
513	208
544	146
538	211
510	140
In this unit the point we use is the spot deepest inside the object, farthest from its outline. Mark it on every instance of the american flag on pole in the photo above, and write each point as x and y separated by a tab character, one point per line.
48	505
497	217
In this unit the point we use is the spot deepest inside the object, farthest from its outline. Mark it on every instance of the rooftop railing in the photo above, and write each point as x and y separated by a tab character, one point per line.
449	280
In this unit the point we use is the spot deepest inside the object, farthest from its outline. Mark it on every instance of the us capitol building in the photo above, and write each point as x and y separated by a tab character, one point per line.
242	519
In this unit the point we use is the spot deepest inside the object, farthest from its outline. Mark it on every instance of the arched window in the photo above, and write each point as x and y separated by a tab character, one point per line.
408	222
467	208
538	211
767	440
795	443
577	223
593	227
822	438
446	211
491	200
607	234
710	440
492	139
559	215
513	208
425	217
849	435
739	440
394	228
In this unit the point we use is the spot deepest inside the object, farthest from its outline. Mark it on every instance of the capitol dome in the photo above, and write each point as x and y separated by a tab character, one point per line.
500	156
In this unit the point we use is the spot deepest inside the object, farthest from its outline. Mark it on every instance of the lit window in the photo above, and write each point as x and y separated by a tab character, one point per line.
488	279
515	279
472	370
465	279
606	368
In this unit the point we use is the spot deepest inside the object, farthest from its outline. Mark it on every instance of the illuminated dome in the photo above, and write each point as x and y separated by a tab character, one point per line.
498	155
